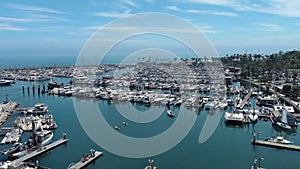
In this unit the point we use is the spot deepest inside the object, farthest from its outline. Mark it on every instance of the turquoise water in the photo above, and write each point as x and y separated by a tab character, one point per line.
229	146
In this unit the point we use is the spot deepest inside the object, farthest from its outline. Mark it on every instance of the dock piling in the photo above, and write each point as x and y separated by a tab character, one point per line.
33	89
39	90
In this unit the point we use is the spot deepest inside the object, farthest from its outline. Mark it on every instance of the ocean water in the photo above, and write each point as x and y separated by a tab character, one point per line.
44	61
229	146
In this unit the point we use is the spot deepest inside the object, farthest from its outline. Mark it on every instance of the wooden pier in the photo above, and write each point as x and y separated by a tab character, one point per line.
86	160
18	162
245	100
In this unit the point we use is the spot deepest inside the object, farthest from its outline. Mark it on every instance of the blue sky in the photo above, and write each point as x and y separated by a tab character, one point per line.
61	28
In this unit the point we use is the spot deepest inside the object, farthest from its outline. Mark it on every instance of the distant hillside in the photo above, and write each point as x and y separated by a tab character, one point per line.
282	67
259	65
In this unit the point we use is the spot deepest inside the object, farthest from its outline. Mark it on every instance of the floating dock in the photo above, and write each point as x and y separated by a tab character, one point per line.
86	160
5	129
18	162
12	136
255	141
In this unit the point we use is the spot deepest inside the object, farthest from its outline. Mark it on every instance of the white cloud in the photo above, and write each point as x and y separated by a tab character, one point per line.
175	8
279	7
8	27
92	28
33	18
269	27
136	28
33	8
44	17
208	29
130	2
213	2
112	14
150	1
11	19
224	13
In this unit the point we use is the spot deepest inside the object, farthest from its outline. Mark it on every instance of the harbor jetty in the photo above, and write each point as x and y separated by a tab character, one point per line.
6	109
12	136
19	162
86	160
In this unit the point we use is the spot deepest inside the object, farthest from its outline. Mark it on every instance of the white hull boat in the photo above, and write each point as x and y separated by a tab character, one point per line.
279	139
284	126
170	113
253	117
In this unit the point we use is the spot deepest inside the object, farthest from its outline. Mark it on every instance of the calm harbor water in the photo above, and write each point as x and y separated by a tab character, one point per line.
229	146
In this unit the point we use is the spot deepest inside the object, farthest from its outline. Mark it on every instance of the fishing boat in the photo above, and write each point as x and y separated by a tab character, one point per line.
38	139
283	123
279	139
16	146
170	113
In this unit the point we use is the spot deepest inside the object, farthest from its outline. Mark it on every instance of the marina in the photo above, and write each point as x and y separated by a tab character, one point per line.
199	97
150	84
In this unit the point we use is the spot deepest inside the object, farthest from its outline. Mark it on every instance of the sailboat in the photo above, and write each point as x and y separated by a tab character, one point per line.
253	116
283	123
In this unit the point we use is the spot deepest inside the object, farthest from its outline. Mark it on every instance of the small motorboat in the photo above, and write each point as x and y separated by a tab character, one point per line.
150	165
125	123
170	113
117	127
284	126
278	139
253	117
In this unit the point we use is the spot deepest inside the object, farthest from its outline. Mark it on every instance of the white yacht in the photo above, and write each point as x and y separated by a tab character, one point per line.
234	117
279	139
5	82
39	108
